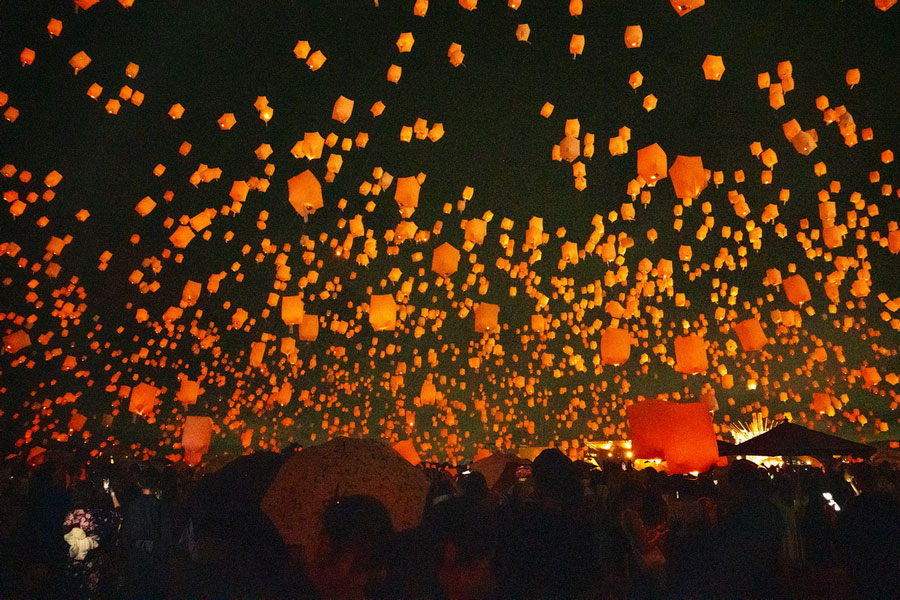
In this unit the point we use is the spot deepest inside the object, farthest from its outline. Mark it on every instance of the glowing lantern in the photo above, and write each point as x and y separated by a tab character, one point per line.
652	164
634	35
26	57
315	61
195	438
853	77
176	112
884	5
182	236
688	176
190	293
188	392
523	31
79	61
650	102
796	290
420	9
681	434
805	142
77	421
406	194
309	328
343	108
394	73
750	334
305	193
486	317
382	312
683	7
301	49
143	398
690	354
405	42
445	260
15	341
226	121
475	229
615	346
570	148
292	310
54	27
713	67
576	45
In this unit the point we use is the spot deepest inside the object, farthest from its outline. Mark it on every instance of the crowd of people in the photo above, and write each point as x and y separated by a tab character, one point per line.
563	530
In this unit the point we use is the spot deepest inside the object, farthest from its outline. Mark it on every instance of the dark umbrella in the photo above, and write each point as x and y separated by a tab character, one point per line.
788	439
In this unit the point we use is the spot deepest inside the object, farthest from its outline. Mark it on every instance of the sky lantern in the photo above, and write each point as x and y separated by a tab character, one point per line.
406	194
445	260
301	49
305	194
54	27
420	8
796	290
475	230
394	73
615	346
751	335
690	354
79	61
853	77
195	438
382	312
650	102
455	54
634	36
652	164
682	434
16	341
570	148
576	45
407	450
683	7
292	310
226	121
343	108
713	67
405	42
188	392
523	32
805	142
309	328
176	111
315	60
688	176
144	397
191	293
77	421
486	316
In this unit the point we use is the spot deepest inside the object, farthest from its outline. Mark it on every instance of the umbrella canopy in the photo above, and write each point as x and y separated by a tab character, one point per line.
493	466
788	439
307	482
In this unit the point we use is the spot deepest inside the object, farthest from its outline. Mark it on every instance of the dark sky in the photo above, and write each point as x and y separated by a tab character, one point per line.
215	57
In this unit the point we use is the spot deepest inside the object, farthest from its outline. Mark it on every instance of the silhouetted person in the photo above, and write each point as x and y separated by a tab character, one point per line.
146	541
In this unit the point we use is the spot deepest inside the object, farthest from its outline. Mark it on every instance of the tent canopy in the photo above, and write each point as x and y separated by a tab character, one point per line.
788	439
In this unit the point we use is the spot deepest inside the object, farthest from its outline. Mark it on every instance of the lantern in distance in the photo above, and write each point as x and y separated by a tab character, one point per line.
690	354
634	36
751	335
652	164
486	317
688	177
195	438
343	108
143	398
713	67
191	293
309	328
796	290
15	341
305	194
445	260
188	392
406	193
292	310
615	346
77	421
382	312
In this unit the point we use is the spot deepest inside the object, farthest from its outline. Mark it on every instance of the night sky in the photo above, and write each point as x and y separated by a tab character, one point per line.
513	387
